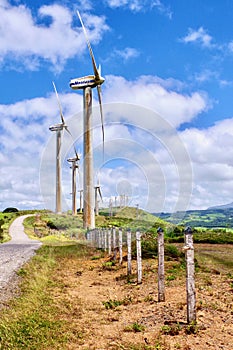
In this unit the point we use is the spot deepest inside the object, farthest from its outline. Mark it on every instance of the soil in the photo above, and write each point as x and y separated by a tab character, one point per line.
113	312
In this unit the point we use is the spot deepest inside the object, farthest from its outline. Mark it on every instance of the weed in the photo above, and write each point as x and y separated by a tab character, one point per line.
112	304
135	327
172	329
22	272
149	298
96	257
191	328
108	265
170	277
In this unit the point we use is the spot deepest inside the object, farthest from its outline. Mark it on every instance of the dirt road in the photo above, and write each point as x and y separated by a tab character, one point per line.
13	255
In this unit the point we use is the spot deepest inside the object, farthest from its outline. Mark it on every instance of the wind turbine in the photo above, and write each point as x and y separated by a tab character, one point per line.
87	83
58	128
97	191
74	167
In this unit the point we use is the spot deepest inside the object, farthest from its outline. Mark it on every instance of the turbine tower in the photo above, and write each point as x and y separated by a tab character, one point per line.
74	167
97	191
86	84
80	200
58	128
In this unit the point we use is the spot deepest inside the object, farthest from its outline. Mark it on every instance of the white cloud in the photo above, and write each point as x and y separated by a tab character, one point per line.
146	91
199	36
25	41
211	155
156	165
127	54
141	5
24	133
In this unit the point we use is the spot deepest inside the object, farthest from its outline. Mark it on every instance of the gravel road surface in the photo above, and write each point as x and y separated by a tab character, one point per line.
13	255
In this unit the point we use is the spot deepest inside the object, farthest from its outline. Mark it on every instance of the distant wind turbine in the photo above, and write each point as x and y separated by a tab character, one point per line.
74	167
97	191
87	83
58	128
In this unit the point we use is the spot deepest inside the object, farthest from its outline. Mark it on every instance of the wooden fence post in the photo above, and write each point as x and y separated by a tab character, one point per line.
114	242
129	264
120	246
161	284
139	257
109	241
190	276
105	239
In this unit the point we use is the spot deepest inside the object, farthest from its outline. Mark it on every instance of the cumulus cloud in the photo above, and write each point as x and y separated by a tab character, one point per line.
199	36
25	41
160	162
25	131
147	91
211	156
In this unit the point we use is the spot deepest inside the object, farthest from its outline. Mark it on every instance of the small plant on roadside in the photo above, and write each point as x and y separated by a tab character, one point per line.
112	304
172	329
135	327
22	272
192	328
108	265
149	298
171	277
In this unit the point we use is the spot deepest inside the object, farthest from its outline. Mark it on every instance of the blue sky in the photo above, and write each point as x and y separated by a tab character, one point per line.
167	99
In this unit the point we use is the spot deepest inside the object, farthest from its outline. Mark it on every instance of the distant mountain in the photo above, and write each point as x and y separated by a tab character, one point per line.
224	206
215	217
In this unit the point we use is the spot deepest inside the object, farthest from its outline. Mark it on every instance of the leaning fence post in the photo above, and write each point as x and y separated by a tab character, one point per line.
129	265
190	276
139	257
161	284
120	246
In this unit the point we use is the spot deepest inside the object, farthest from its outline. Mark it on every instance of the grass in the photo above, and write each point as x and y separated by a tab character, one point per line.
34	320
215	258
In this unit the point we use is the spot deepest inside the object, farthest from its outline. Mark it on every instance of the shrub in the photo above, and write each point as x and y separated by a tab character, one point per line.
10	210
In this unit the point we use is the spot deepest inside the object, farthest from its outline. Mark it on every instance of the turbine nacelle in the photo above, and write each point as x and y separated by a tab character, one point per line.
57	127
87	81
72	160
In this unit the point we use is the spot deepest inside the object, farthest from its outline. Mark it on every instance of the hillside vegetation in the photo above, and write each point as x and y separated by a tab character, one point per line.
48	226
210	218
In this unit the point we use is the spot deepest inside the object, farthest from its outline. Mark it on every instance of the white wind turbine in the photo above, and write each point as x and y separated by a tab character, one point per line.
97	192
58	128
87	83
74	167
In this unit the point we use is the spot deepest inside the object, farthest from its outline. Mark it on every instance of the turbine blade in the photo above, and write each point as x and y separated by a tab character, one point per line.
76	154
100	194
66	128
98	180
99	70
96	72
79	179
59	104
101	112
